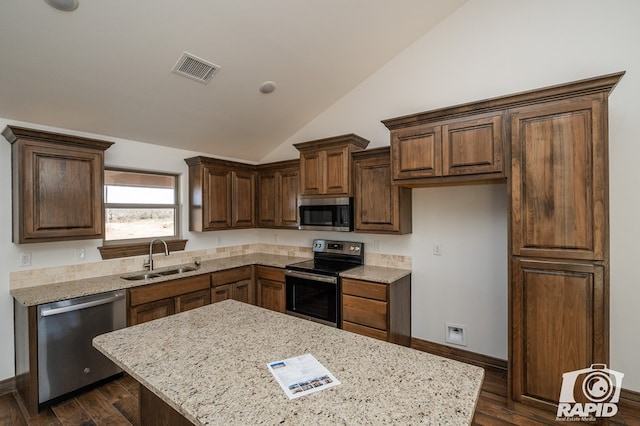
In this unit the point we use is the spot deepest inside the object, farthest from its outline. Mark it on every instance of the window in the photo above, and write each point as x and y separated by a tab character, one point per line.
140	206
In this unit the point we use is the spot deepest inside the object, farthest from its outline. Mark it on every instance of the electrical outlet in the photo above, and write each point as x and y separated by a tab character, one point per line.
456	334
25	259
437	249
80	254
377	245
276	238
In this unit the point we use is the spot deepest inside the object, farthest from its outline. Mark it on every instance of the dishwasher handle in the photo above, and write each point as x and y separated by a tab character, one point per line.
79	306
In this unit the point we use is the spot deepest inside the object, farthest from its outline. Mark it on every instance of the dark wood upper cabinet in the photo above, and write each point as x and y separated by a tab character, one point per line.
379	206
559	179
57	186
243	199
277	194
325	164
445	151
221	194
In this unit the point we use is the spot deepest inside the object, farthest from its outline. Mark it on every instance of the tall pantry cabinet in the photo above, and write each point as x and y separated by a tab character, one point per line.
553	142
559	298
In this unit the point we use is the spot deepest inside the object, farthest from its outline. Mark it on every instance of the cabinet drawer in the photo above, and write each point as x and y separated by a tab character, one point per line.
220	293
269	273
364	289
153	292
197	299
231	276
365	331
372	313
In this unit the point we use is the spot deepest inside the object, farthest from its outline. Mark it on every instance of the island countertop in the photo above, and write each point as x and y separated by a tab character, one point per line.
210	365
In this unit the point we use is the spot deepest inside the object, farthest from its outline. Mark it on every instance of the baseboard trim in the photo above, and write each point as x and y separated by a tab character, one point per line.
629	399
7	385
462	355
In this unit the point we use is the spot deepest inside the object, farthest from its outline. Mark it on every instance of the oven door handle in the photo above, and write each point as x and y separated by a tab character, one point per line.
312	277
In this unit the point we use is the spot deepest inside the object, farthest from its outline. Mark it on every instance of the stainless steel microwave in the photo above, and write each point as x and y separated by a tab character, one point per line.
327	214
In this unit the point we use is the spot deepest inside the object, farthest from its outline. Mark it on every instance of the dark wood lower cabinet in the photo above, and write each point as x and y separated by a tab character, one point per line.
271	288
381	311
236	284
154	301
151	311
560	324
193	300
156	412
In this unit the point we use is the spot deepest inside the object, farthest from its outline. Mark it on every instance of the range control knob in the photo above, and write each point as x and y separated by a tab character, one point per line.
352	248
357	248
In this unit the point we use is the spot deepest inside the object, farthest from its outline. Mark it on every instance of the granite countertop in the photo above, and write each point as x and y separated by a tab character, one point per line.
37	295
210	364
379	274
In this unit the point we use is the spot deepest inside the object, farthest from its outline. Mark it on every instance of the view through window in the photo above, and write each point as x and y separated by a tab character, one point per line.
140	206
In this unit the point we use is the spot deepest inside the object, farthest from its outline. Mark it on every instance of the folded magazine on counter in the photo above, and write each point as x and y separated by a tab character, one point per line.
302	375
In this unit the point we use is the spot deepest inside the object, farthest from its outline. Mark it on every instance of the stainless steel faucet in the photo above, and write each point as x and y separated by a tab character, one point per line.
149	263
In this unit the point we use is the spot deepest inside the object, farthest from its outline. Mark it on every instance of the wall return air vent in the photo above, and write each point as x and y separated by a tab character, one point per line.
197	69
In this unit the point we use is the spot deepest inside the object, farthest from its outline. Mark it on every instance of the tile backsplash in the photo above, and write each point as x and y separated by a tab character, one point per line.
34	277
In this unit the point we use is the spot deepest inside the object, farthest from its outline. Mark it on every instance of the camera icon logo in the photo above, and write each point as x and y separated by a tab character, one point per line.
599	388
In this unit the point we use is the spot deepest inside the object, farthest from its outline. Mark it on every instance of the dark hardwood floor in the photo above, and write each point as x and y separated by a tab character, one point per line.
116	403
113	403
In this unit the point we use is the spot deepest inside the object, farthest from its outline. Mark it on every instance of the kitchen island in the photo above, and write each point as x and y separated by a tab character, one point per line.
210	366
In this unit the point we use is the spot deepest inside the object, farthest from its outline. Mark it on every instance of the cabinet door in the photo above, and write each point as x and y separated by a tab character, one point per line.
61	193
244	211
312	165
216	198
337	171
416	152
287	200
221	292
559	324
193	300
267	199
473	146
559	180
242	291
271	288
379	205
150	311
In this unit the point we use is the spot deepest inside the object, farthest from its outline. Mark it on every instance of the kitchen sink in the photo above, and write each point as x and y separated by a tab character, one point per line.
149	275
177	270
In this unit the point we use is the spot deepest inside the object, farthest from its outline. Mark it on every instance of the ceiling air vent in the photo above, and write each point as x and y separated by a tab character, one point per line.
197	69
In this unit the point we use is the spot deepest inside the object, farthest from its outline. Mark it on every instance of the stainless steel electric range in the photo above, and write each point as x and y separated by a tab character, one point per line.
313	286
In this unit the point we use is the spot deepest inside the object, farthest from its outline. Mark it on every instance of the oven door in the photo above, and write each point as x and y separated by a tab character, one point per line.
313	296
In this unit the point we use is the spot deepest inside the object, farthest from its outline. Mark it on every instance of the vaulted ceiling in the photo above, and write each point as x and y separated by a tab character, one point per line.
105	68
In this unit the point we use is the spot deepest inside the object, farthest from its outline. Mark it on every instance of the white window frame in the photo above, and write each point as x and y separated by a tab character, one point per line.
175	206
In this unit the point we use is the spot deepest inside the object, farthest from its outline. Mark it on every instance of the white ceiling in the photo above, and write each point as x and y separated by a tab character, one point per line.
106	67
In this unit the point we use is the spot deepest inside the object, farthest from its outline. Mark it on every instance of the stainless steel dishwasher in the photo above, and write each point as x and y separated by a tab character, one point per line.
67	360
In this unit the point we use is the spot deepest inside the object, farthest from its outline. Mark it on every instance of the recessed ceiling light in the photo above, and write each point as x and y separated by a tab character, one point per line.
267	87
64	5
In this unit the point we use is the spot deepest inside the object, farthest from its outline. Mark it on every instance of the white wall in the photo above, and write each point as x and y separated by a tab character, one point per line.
485	49
489	48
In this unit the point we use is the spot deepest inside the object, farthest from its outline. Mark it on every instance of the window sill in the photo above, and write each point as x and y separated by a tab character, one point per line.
137	249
